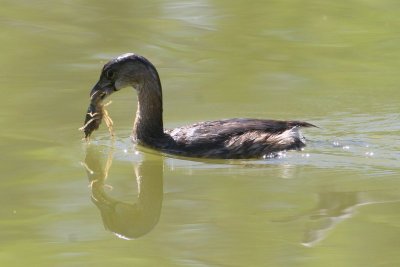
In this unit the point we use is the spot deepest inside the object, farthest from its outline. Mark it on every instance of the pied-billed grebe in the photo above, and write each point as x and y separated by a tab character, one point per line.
227	139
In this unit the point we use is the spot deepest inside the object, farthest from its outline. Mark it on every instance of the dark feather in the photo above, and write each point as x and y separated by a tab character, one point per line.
234	138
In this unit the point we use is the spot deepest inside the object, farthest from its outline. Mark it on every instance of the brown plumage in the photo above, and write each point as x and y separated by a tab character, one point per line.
229	139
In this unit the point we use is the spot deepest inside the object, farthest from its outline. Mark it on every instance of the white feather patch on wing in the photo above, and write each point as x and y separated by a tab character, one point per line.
290	136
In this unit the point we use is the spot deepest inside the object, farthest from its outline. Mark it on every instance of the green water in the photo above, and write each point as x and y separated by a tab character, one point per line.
333	63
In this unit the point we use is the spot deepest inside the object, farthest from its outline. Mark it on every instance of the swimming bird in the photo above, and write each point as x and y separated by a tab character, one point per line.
239	138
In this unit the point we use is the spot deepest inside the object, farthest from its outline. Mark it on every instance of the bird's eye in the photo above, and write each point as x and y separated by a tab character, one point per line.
110	74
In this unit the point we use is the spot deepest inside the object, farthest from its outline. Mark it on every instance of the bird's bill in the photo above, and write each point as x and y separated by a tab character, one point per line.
100	91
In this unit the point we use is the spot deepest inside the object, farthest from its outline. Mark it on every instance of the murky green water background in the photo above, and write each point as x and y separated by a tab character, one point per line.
333	63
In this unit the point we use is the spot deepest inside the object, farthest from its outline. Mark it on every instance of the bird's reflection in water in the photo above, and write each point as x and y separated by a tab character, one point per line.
333	208
127	220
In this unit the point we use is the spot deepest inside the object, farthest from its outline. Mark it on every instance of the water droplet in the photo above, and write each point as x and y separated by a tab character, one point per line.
281	155
336	143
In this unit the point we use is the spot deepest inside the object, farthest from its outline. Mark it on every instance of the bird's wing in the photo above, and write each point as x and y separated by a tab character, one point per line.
215	133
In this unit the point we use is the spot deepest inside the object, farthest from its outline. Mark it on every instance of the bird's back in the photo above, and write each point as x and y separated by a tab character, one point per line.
235	138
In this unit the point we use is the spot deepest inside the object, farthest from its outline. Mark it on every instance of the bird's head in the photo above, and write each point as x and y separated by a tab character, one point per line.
120	72
123	71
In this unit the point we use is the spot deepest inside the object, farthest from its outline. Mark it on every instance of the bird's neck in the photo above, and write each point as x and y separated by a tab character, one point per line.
148	125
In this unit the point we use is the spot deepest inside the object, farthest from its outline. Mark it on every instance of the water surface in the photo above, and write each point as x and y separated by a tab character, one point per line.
336	203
